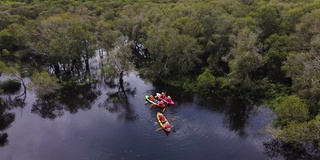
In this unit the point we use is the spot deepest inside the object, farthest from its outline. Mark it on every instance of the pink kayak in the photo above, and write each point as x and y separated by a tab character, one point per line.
164	100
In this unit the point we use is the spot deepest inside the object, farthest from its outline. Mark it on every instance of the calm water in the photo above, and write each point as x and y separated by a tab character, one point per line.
90	124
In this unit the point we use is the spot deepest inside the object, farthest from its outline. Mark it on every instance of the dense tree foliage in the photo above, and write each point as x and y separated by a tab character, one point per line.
44	84
291	109
243	48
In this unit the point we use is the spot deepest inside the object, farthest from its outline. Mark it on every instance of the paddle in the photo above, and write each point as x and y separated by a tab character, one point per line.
163	110
159	129
152	104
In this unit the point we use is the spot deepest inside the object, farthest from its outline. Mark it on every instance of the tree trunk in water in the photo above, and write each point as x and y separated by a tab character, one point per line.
56	69
3	139
121	84
87	66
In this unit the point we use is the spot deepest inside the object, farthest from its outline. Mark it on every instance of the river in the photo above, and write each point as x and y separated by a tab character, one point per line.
92	124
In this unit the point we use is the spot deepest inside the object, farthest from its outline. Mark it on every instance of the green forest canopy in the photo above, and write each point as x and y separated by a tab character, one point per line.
247	48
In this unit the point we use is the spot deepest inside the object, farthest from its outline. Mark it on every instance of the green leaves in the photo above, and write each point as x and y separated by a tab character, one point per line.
10	69
296	132
292	109
303	69
6	40
43	84
171	52
119	59
309	26
206	82
66	40
246	59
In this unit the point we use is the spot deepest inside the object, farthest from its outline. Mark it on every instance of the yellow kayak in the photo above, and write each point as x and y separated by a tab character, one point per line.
165	125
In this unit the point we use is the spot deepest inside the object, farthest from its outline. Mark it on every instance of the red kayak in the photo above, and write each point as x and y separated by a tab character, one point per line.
165	100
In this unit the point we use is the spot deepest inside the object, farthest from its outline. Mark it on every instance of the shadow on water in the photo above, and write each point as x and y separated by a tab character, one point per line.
6	118
310	151
10	99
71	98
237	116
11	91
47	108
117	100
237	112
79	97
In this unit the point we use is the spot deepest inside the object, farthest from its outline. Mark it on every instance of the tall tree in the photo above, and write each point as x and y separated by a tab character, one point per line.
245	58
172	53
292	109
67	42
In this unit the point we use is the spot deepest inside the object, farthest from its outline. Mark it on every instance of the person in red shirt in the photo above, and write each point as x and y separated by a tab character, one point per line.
151	98
169	99
163	95
167	125
161	104
162	118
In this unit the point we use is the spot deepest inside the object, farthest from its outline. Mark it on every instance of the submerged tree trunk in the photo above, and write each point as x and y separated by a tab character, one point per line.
101	53
86	60
3	139
21	101
121	84
121	80
56	69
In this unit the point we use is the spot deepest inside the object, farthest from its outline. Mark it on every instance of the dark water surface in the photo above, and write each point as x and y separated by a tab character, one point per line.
97	125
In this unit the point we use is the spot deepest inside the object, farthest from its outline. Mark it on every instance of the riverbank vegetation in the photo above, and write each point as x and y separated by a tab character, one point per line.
266	50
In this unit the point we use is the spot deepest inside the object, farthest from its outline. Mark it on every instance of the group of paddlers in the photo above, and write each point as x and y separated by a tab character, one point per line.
161	100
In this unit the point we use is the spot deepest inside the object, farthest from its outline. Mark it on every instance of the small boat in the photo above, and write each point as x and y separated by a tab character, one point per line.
153	103
166	129
164	100
148	100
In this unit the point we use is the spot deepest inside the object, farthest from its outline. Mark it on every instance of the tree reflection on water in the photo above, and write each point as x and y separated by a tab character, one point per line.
237	115
6	118
118	102
9	99
47	108
274	148
71	98
79	97
237	112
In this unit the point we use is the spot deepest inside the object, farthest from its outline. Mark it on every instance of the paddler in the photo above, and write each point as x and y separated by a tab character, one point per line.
161	104
152	98
163	95
169	99
166	125
162	118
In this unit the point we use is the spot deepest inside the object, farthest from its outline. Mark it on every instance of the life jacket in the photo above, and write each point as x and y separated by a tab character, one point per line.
151	98
167	125
162	118
161	104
